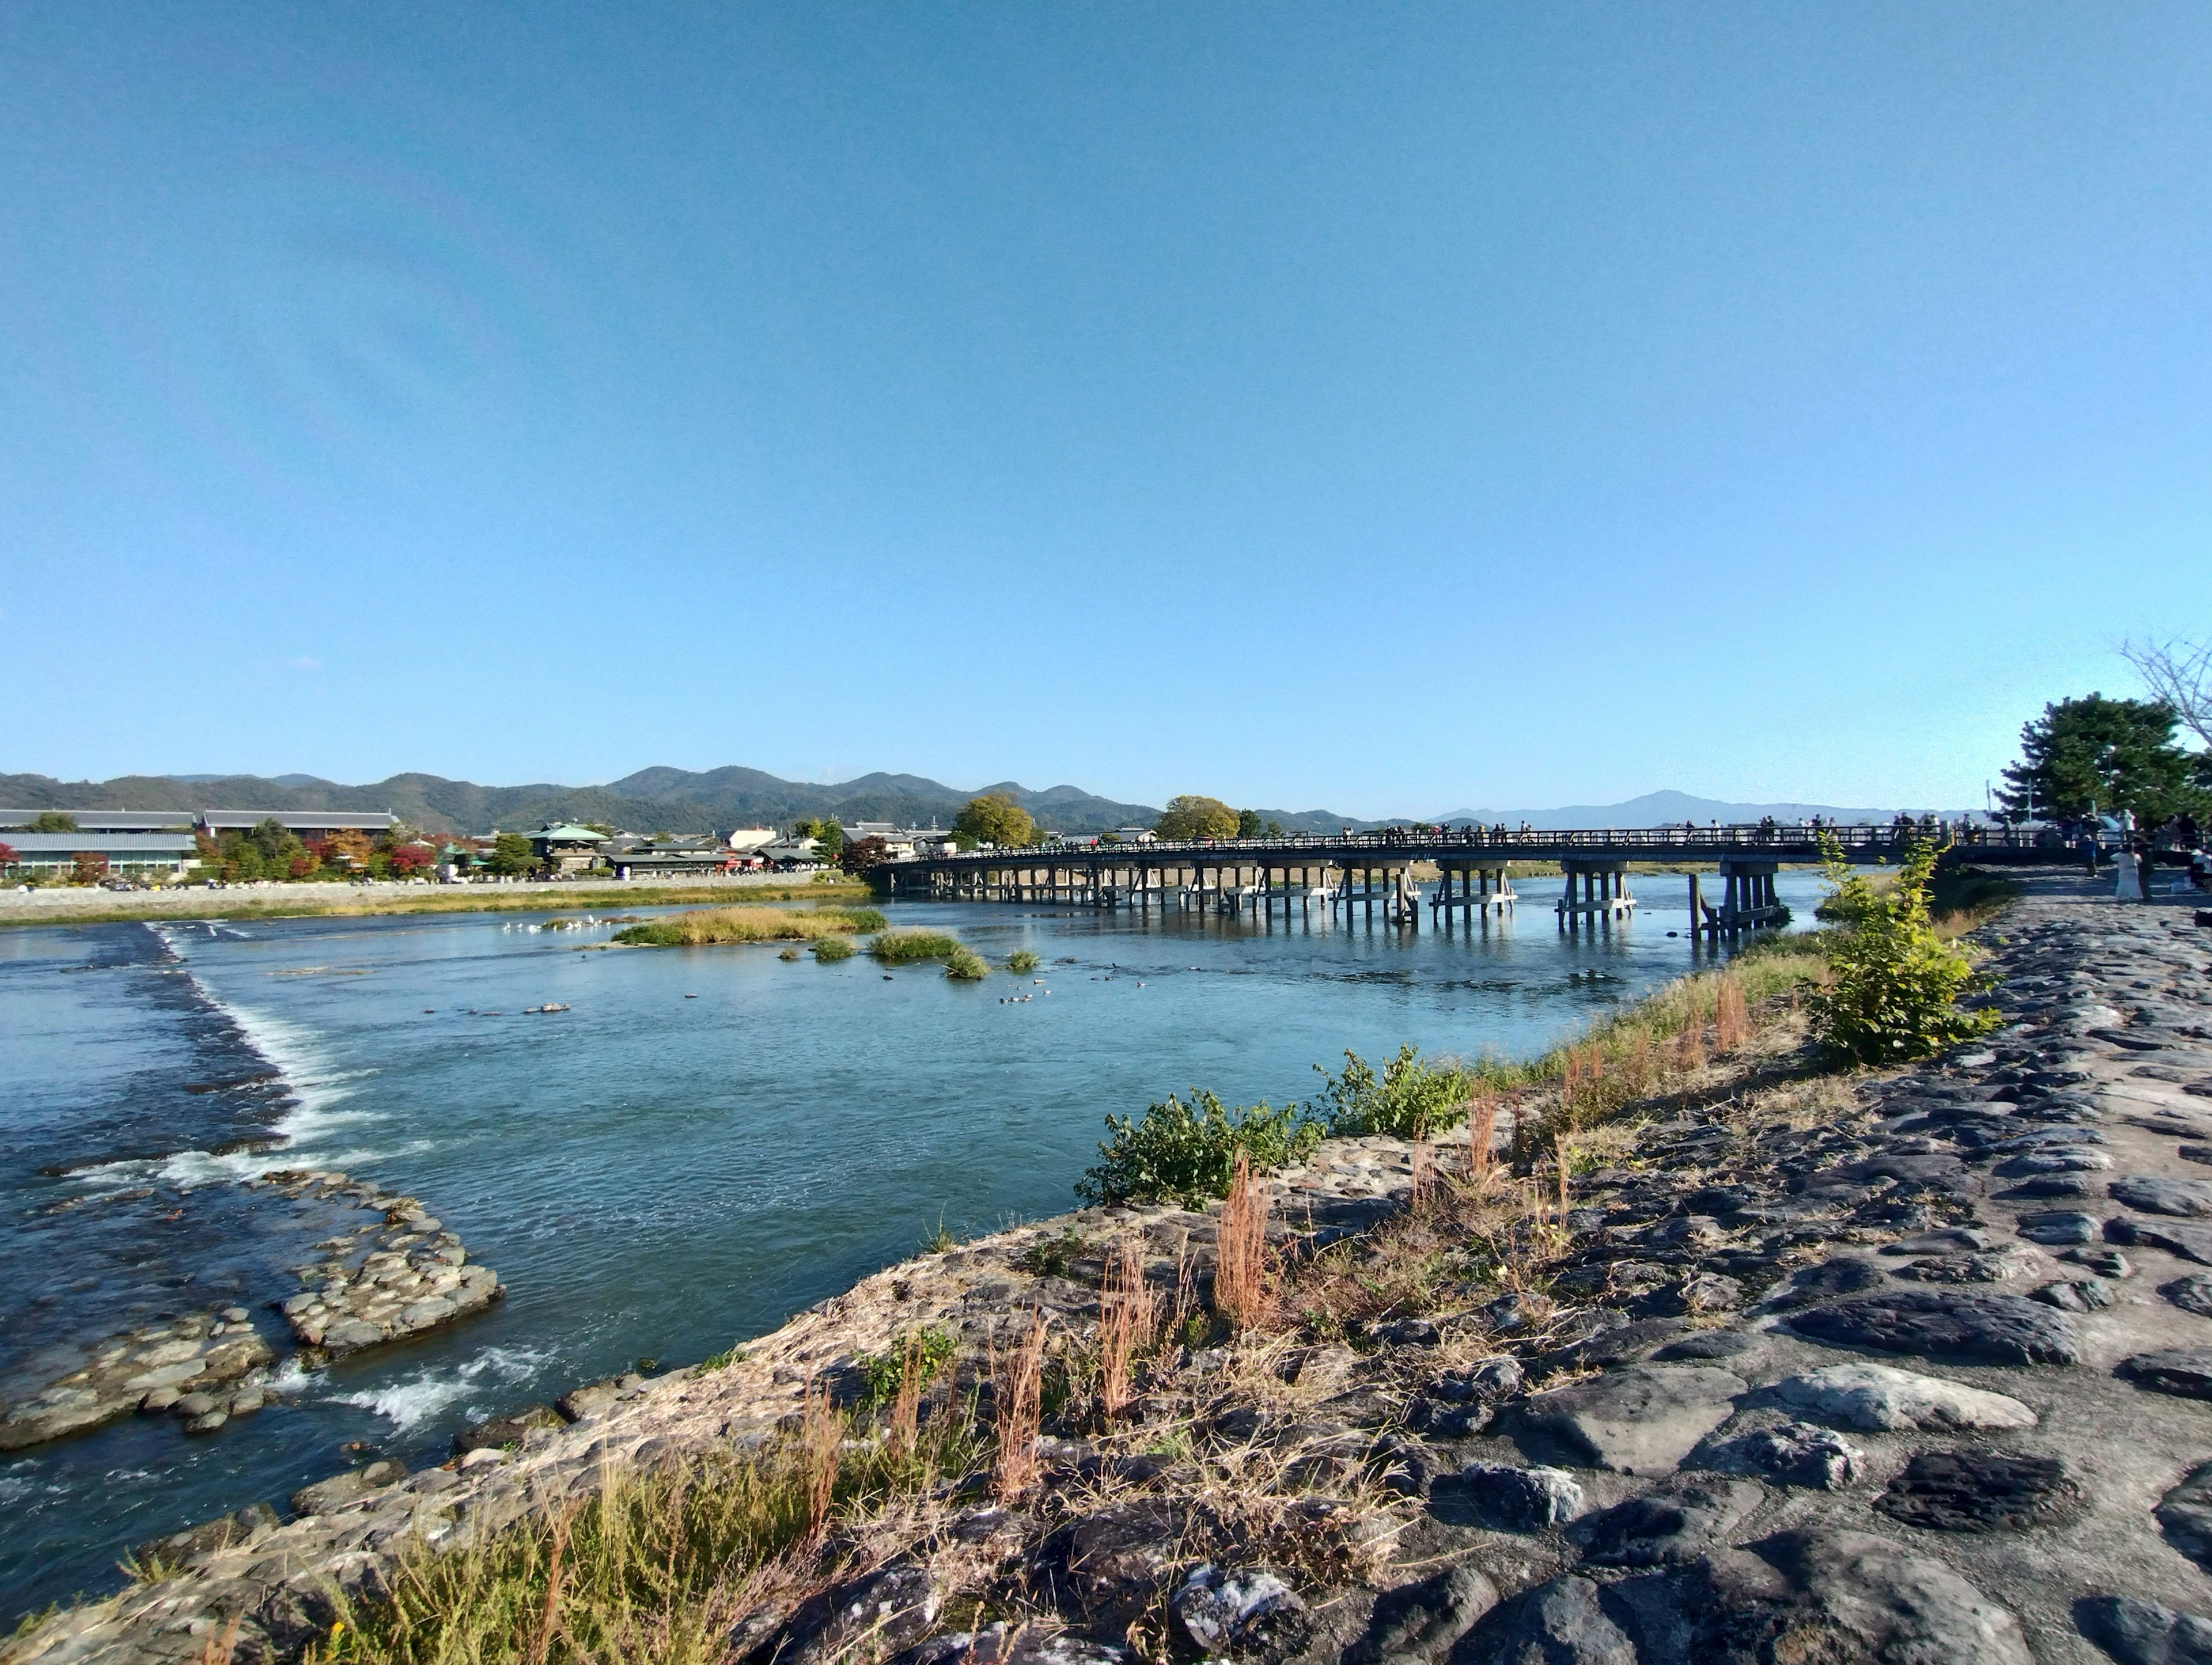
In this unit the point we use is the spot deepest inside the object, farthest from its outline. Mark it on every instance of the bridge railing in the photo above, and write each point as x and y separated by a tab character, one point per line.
1512	844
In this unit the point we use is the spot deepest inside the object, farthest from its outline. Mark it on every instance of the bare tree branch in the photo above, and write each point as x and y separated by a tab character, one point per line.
2178	672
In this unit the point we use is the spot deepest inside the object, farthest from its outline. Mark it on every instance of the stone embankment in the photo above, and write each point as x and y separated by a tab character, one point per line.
392	1277
1913	1368
203	1368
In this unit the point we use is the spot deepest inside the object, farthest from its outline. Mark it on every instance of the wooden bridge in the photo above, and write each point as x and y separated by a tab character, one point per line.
1373	872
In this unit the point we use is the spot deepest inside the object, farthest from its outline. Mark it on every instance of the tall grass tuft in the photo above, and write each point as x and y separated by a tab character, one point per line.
1018	1400
1240	1270
966	965
1481	1140
1129	1323
1731	1020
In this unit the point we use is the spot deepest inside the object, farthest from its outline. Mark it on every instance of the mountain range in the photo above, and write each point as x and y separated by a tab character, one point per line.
663	799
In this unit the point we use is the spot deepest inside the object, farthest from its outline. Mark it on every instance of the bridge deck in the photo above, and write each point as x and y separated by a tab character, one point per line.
1486	848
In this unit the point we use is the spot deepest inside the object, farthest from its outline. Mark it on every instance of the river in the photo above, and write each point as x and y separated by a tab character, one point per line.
706	1140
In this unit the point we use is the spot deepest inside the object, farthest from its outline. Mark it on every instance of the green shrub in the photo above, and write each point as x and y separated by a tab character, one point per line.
881	1372
856	919
1414	1098
1893	984
1021	962
966	965
903	947
1185	1153
830	950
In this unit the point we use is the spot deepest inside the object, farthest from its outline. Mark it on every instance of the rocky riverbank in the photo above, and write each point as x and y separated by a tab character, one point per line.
1908	1368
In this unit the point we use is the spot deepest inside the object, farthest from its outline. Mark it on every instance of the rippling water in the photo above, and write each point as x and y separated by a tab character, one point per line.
706	1141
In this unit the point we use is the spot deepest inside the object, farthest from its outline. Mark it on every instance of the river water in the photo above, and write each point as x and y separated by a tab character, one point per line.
705	1142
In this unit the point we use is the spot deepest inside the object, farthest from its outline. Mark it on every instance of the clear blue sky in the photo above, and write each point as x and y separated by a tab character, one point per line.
1386	408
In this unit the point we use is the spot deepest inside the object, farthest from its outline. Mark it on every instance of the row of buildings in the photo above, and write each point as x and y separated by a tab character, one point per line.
158	843
151	843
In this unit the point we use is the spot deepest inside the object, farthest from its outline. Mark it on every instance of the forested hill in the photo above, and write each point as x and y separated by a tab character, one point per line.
650	800
678	800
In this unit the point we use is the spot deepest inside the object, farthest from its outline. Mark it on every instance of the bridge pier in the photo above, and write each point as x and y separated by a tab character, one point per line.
1603	882
1749	901
1481	888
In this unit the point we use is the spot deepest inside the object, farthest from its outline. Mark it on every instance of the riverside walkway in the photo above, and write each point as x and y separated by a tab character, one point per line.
1376	871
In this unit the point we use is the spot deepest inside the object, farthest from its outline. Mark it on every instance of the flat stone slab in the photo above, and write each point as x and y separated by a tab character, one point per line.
1842	1275
1639	1419
1981	1491
2062	1161
2185	1371
1804	1595
1879	1398
2191	1242
2059	1228
2155	1194
2003	1329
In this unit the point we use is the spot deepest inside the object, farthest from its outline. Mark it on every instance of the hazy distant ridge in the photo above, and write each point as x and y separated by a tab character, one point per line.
1661	809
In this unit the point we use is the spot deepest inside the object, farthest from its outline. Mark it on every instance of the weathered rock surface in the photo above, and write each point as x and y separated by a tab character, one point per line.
2163	1193
1879	1397
2006	1329
1640	1419
2184	1514
1562	1621
878	1613
1245	1612
1422	1622
350	1488
382	1283
2184	1370
1510	1498
1981	1490
1679	1520
1791	1454
2143	1632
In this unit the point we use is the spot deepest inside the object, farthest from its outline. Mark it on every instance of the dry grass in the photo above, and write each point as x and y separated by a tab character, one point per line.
1018	1410
1240	1270
708	926
1128	1324
821	1435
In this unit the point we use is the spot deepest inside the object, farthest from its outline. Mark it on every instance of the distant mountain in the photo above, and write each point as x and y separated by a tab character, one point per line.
651	800
663	799
1661	809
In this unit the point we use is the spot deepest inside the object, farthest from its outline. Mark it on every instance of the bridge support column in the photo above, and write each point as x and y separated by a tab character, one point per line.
1749	901
1603	882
